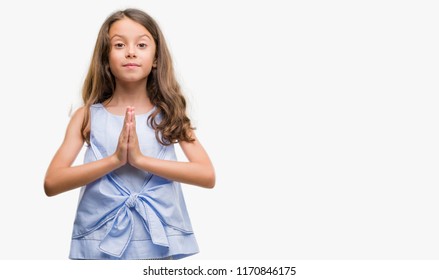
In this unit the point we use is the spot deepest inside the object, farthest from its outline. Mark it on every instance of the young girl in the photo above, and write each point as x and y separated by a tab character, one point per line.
132	205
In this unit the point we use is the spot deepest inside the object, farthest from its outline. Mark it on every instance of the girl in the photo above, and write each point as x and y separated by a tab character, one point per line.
132	206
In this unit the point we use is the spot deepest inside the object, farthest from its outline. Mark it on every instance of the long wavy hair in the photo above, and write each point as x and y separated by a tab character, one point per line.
162	87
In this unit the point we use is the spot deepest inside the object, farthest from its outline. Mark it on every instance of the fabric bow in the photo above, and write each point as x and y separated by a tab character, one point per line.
120	233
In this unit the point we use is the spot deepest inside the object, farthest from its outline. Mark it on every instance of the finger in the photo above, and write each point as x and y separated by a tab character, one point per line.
128	131
134	117
127	115
132	130
133	134
125	129
123	137
124	133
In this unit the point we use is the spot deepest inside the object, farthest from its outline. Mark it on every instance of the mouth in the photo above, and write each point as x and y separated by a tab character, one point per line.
131	65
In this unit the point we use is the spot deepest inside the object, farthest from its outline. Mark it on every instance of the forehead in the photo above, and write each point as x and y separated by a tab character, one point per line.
128	28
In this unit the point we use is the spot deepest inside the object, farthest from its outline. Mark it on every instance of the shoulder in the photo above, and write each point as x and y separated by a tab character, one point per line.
78	117
82	111
79	113
74	128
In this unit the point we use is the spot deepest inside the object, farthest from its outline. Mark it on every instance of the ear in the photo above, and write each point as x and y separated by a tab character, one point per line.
154	64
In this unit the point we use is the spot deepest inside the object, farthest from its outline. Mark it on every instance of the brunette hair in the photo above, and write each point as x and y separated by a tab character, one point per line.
162	87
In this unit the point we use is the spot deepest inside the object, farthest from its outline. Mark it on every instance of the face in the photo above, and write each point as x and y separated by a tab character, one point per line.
132	53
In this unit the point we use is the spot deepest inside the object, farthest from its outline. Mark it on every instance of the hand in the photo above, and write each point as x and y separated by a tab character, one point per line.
134	152
121	154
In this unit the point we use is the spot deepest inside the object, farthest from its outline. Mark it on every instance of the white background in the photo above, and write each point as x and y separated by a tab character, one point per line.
321	118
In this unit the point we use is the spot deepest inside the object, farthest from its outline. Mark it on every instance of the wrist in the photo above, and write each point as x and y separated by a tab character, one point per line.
137	161
115	161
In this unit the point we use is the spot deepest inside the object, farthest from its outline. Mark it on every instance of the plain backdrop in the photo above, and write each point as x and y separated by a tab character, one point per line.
321	118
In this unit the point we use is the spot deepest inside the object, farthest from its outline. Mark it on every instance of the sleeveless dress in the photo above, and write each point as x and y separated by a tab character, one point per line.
130	213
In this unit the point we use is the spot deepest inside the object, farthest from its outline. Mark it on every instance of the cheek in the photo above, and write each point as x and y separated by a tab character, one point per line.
150	59
149	55
113	60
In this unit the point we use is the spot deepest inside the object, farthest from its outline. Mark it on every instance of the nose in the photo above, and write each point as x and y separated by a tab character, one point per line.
130	52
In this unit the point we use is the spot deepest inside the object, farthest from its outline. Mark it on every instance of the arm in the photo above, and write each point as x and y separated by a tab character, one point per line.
61	176
198	171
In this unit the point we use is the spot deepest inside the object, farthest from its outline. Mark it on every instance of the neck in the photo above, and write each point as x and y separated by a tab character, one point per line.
129	94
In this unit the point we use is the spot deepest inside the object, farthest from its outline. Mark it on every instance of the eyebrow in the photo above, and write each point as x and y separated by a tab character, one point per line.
117	35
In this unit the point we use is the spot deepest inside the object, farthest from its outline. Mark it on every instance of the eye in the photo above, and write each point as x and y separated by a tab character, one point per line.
142	45
119	45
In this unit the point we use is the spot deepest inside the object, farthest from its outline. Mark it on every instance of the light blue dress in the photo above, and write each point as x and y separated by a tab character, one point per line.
130	213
